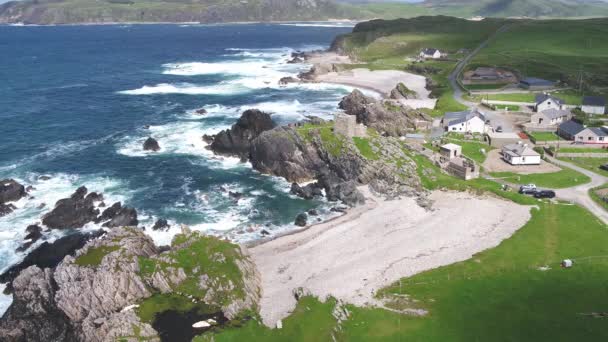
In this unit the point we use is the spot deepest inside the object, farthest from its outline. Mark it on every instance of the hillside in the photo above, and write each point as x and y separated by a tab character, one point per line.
204	11
220	11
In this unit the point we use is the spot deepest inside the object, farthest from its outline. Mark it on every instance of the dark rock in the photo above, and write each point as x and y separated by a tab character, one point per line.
309	191
94	197
337	189
73	212
201	111
6	209
151	145
102	205
161	224
11	191
313	212
146	126
287	80
264	232
164	248
237	140
235	195
49	255
355	103
403	92
208	138
44	178
34	233
29	188
301	220
109	213
125	217
338	210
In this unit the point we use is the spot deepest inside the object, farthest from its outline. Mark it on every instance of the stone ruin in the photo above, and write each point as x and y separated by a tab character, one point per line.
347	125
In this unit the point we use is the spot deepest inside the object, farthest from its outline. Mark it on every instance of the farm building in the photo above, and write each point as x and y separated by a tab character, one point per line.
450	151
466	121
520	154
500	139
569	129
533	83
550	118
430	53
547	101
594	105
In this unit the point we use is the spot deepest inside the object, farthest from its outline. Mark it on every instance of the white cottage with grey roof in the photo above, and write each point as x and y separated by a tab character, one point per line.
465	122
430	53
594	105
547	101
520	154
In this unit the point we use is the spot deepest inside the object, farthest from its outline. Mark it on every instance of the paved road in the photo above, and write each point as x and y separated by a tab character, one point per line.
497	118
580	194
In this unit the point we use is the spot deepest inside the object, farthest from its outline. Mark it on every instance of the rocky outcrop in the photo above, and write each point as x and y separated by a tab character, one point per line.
319	69
161	224
301	220
10	191
83	207
49	255
34	233
201	111
309	191
73	212
33	315
151	144
236	140
401	92
386	116
287	80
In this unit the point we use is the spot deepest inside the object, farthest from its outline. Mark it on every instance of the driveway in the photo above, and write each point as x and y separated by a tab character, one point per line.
580	194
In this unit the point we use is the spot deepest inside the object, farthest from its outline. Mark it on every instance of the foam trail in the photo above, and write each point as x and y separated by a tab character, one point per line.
188	89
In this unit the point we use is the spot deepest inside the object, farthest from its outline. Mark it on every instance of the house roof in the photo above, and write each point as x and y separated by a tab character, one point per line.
599	131
450	146
429	51
594	101
533	81
519	150
540	98
454	118
571	127
553	113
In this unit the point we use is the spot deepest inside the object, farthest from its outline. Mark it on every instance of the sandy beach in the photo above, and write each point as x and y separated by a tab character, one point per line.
380	81
374	245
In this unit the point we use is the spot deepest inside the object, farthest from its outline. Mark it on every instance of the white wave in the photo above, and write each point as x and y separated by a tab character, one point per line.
248	68
188	89
322	24
5	300
41	200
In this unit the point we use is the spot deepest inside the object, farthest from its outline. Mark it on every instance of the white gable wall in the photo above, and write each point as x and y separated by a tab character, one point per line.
474	125
547	104
594	110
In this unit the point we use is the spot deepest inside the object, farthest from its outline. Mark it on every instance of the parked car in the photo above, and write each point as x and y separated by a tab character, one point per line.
498	129
528	189
544	194
604	167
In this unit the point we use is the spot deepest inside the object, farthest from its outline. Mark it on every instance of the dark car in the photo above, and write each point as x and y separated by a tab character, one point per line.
604	167
499	129
544	194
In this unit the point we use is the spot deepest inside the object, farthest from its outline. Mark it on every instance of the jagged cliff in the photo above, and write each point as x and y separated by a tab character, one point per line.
118	287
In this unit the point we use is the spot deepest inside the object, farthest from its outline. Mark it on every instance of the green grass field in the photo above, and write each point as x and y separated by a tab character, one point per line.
500	294
552	49
596	197
591	164
582	150
556	180
543	136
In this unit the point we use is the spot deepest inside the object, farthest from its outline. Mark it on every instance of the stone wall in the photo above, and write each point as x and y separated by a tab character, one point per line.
347	125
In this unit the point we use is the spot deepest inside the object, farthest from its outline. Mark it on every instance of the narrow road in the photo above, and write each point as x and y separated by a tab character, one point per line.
496	118
580	194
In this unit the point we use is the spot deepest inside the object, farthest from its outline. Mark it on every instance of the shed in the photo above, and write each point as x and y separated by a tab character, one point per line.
534	83
501	139
450	150
594	105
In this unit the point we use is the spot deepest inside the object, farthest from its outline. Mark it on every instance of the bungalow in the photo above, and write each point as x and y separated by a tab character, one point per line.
430	53
594	105
463	122
547	101
533	83
569	129
593	135
550	118
520	154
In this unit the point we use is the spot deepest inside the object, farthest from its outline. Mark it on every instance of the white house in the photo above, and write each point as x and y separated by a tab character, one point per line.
592	135
520	154
594	105
430	53
546	101
463	122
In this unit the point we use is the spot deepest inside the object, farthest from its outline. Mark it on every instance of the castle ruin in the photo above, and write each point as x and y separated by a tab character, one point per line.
347	125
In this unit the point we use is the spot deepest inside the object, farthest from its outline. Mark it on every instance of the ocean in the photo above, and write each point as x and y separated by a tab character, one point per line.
77	103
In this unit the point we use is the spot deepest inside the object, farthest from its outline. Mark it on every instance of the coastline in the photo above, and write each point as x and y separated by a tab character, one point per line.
118	23
351	257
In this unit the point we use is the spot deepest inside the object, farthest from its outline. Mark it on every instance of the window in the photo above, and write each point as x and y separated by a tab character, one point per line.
590	138
601	138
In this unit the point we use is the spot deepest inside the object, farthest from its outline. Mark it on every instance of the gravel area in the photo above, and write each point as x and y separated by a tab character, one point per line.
374	245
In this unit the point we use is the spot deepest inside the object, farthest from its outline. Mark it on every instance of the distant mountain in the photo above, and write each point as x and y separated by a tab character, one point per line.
219	11
204	11
521	8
